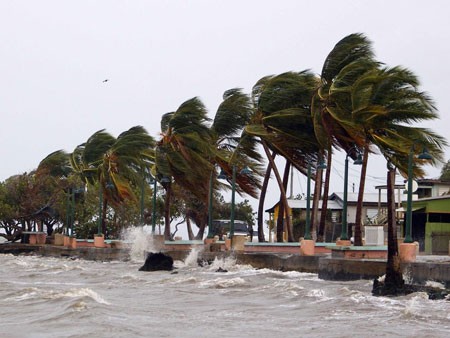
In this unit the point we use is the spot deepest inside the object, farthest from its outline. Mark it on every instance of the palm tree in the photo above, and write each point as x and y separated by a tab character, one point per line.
114	164
406	139
183	152
385	102
282	109
350	57
233	147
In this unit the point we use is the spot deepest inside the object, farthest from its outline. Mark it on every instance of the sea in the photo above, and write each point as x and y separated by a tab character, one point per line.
69	297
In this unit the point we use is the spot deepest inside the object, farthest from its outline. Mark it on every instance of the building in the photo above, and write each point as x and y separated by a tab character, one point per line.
373	212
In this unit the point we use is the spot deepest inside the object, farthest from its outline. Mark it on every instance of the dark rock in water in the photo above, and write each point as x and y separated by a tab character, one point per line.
381	289
204	262
221	270
157	261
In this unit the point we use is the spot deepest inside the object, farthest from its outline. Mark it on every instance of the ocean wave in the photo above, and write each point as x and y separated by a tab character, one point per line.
224	283
37	293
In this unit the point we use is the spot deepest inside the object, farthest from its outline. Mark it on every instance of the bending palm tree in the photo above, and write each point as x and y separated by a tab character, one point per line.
282	122
183	152
115	164
351	57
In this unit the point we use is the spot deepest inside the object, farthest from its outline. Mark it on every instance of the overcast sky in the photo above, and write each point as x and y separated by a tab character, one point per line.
157	54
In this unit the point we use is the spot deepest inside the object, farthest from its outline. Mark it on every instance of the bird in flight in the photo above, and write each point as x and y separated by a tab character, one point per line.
105	80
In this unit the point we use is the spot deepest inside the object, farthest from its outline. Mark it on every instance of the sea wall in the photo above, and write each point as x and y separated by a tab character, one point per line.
326	266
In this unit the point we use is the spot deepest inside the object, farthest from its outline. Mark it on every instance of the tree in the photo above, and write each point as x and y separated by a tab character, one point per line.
116	165
282	109
350	57
385	103
445	172
183	152
234	147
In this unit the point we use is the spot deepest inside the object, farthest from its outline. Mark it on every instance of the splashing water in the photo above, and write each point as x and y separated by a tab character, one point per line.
192	259
226	263
139	241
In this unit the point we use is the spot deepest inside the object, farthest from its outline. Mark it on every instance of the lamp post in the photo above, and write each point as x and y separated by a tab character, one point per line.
153	181
423	156
222	175
210	201
68	212
72	213
75	192
358	161
142	199
100	205
308	205
321	165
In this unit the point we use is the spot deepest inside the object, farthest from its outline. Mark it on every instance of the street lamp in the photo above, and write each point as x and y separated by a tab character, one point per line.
358	161
100	206
321	165
153	181
75	192
222	175
68	212
210	201
142	199
423	156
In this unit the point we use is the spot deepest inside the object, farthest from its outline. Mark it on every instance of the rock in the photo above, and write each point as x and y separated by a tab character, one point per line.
221	270
204	262
381	289
157	261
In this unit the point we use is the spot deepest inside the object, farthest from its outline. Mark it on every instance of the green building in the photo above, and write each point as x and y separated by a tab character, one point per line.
431	224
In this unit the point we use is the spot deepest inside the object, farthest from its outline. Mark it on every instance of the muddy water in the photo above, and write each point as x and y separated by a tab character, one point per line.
59	297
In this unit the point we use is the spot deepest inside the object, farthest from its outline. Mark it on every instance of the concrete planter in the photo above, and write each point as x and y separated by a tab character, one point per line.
99	241
238	242
307	247
407	252
41	237
227	244
72	242
66	240
59	239
32	239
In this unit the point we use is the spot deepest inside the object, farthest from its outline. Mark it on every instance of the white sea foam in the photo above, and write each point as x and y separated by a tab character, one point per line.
224	283
434	284
36	293
77	293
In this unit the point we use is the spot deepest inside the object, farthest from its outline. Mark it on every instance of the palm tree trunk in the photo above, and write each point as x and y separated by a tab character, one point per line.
167	212
287	167
362	181
201	228
394	277
316	200
280	186
280	222
262	198
326	188
189	229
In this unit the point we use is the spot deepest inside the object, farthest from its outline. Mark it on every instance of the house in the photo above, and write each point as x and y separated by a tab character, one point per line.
373	212
430	215
430	220
431	224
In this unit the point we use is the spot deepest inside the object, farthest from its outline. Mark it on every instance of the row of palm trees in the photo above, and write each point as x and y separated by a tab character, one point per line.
356	105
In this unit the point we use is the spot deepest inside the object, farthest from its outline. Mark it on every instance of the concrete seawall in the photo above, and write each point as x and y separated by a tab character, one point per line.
328	268
430	268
